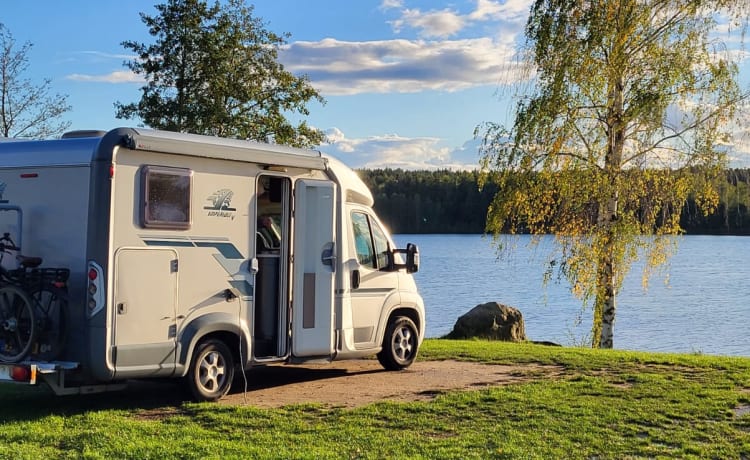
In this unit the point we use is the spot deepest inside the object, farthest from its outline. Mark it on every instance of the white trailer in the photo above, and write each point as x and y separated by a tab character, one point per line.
190	256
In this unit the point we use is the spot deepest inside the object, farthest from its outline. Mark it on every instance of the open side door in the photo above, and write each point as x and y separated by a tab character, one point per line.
314	266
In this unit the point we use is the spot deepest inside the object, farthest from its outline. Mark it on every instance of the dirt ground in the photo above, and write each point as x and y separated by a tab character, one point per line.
359	382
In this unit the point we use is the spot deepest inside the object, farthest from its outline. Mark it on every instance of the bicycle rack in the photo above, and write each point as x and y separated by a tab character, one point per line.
19	211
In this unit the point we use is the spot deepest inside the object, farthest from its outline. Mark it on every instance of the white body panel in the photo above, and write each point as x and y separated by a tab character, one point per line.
313	280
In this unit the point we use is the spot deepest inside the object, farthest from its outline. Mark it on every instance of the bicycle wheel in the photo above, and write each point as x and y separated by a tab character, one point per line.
17	324
52	322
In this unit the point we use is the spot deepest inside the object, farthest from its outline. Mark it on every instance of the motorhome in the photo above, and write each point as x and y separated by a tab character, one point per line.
184	256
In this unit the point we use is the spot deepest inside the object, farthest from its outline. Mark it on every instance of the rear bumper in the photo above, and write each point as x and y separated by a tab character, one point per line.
30	372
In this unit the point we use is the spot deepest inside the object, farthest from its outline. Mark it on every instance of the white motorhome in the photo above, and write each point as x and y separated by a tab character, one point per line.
191	255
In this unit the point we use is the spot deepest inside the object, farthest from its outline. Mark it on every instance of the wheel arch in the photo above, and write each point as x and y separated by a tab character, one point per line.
401	310
220	326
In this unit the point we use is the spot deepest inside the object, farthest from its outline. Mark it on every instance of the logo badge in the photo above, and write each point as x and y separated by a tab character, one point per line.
220	206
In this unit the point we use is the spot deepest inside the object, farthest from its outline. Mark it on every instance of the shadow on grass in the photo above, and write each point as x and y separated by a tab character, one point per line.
24	403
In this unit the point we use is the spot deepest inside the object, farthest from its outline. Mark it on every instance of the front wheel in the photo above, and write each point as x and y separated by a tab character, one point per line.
211	371
400	344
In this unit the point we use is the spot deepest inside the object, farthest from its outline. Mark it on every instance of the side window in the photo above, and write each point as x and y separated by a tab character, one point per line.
381	244
165	197
362	240
370	241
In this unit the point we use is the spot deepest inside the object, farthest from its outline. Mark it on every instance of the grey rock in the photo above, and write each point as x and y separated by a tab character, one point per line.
492	321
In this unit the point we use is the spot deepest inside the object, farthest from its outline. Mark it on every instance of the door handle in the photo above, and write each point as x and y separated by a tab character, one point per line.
328	257
122	308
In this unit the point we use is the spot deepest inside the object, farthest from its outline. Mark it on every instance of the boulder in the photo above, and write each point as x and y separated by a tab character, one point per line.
492	321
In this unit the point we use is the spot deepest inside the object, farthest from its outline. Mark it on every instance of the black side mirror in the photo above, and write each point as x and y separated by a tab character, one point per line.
412	258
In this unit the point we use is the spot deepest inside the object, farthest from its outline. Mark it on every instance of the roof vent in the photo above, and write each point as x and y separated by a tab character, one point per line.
83	133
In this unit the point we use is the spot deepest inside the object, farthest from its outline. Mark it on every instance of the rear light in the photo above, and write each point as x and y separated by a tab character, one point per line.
22	373
95	289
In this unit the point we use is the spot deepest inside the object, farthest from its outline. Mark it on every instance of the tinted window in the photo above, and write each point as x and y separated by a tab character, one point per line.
166	197
362	240
370	241
381	244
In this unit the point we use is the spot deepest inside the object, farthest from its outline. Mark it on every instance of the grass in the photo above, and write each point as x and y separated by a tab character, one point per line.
606	404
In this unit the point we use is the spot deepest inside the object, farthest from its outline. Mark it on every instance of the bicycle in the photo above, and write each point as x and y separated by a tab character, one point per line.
33	307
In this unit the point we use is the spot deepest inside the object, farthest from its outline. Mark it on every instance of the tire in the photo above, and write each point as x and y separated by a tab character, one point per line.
211	371
400	344
17	324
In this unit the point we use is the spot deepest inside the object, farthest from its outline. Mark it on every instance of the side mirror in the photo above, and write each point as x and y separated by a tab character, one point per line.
412	258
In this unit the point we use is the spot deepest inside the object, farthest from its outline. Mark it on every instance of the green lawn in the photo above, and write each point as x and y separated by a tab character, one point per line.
607	404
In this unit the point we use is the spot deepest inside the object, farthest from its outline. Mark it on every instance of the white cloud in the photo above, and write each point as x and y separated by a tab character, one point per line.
446	22
103	55
400	66
441	24
118	76
510	11
739	152
394	151
389	4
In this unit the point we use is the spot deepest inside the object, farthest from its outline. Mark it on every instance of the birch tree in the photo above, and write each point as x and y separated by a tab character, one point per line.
27	109
213	69
627	114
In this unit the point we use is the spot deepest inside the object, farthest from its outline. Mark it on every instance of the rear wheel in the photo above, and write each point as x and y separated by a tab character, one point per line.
400	344
211	371
17	324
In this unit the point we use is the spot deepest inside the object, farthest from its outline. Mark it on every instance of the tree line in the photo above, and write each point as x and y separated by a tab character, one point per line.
445	201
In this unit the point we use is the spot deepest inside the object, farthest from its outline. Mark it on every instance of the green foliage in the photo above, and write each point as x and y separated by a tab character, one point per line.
454	202
429	201
214	70
597	404
610	77
27	110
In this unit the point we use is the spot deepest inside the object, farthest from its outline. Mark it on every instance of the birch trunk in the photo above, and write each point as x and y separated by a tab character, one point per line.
605	293
608	304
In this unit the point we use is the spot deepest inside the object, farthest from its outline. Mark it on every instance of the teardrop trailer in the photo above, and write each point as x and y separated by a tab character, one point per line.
183	256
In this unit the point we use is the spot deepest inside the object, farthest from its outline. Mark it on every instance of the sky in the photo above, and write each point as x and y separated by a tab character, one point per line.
406	82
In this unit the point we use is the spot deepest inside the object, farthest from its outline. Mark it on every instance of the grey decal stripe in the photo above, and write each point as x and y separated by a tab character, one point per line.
227	250
371	290
169	243
245	288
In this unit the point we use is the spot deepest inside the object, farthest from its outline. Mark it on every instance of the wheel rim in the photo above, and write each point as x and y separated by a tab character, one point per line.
403	343
212	372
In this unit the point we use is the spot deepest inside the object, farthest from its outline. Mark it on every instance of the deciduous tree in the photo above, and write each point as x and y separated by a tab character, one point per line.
628	113
213	69
27	109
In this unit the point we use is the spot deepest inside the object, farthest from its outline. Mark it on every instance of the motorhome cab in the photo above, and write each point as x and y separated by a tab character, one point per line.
177	255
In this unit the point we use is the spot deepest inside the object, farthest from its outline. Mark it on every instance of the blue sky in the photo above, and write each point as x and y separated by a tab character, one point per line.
406	81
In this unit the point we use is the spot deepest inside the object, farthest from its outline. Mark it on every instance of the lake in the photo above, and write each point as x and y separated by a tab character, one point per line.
701	308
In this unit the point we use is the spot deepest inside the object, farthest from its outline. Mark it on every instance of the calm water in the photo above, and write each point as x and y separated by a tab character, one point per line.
702	308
